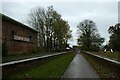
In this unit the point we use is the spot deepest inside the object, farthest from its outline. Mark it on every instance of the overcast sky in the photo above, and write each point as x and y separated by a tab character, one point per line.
103	14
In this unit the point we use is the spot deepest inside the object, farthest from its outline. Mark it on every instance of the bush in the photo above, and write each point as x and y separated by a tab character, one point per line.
40	49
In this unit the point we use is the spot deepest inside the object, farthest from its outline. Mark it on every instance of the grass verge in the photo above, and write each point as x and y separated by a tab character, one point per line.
14	57
51	68
105	70
110	55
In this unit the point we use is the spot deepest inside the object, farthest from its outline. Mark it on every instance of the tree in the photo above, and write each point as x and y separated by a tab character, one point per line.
89	39
54	32
115	37
37	19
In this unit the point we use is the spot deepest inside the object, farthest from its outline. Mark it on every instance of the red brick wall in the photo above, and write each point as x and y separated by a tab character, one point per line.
15	46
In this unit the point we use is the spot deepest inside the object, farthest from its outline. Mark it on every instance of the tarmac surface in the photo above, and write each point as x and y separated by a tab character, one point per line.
80	68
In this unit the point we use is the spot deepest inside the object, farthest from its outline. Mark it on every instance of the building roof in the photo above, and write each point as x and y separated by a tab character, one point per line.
16	22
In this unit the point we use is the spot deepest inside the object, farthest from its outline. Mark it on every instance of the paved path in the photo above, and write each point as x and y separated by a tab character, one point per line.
80	68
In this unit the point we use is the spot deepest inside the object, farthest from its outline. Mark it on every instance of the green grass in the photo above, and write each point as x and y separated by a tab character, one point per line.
110	55
53	68
17	56
103	69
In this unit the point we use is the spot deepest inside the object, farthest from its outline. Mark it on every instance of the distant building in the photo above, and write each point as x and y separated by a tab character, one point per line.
75	48
18	37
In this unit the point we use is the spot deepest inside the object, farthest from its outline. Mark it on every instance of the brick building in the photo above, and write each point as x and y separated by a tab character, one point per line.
18	37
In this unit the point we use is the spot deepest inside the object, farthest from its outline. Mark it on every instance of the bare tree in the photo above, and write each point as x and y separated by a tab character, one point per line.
89	38
54	32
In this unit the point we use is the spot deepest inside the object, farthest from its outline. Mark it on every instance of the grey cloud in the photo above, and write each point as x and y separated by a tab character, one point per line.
103	14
